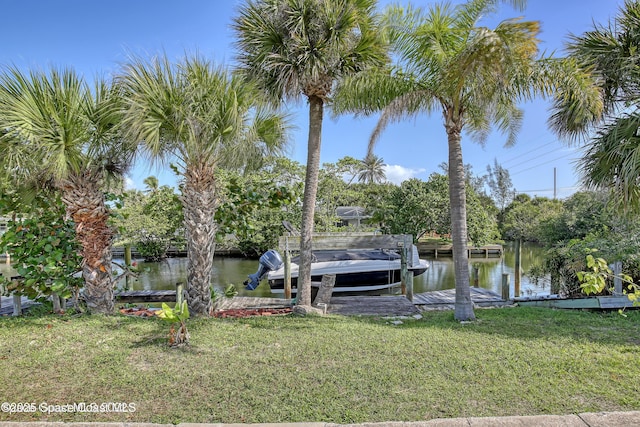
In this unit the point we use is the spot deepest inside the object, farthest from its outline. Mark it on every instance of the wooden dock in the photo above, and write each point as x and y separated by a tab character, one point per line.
387	305
6	305
437	249
146	296
346	306
445	299
252	303
372	306
608	302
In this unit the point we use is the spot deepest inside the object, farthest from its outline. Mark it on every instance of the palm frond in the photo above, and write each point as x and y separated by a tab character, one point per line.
195	112
53	114
578	101
296	48
611	161
468	14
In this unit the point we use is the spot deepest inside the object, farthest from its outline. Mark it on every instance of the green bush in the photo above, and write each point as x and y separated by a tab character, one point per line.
45	252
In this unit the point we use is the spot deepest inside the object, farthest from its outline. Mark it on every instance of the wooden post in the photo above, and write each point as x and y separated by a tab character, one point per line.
325	291
287	274
179	293
55	299
408	279
127	263
617	280
17	305
406	276
476	278
505	287
516	287
403	269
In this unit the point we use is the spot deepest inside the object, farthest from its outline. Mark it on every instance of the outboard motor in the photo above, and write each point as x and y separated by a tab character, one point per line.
269	261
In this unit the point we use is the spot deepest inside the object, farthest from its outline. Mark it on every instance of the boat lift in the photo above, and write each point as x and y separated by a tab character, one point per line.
354	240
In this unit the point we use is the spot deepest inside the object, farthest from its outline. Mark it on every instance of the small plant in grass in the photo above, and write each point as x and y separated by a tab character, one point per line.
179	314
230	291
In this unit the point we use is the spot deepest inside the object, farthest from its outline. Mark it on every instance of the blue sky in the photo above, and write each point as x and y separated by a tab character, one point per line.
94	37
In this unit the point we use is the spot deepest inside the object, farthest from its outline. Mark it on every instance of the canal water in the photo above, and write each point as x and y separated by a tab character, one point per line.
439	276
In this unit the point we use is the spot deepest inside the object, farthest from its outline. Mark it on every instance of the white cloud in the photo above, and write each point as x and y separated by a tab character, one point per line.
129	184
396	173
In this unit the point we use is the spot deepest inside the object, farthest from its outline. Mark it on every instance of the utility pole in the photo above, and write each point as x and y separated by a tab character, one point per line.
554	183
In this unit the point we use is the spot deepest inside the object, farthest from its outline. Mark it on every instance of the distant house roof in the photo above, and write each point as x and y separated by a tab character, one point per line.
351	212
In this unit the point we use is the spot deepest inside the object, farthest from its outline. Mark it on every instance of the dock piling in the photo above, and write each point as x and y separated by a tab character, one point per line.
287	272
17	305
517	269
127	263
179	293
323	297
476	276
505	287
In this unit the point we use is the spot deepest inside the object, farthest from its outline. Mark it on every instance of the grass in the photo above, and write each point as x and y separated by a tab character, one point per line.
330	369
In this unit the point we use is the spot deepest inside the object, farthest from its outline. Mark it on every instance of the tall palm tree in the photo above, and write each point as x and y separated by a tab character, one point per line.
198	115
474	75
372	170
152	183
62	131
303	48
611	157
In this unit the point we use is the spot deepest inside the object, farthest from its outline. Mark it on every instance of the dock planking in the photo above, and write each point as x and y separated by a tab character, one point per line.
252	303
346	306
372	306
445	299
598	302
388	305
168	295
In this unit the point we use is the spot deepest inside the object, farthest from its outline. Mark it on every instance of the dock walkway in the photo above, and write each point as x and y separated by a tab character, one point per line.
445	299
388	305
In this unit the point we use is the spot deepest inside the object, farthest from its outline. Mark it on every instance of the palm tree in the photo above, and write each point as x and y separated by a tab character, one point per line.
611	156
203	118
372	170
474	75
303	48
61	131
152	183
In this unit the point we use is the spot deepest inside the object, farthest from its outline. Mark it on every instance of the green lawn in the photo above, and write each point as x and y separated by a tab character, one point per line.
333	369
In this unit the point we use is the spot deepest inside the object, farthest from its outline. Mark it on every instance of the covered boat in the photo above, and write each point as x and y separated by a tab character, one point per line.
355	270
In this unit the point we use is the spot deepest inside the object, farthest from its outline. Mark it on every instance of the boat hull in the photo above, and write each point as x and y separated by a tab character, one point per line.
351	276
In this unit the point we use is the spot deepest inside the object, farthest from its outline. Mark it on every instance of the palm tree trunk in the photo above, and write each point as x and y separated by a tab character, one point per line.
457	197
316	105
85	204
199	202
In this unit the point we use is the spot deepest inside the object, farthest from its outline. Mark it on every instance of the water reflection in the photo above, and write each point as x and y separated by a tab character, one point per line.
440	275
226	271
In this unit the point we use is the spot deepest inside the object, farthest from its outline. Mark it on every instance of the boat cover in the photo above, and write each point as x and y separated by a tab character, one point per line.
347	255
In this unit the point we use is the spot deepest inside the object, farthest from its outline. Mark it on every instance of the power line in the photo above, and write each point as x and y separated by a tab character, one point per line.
541	164
538	158
547	190
528	152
